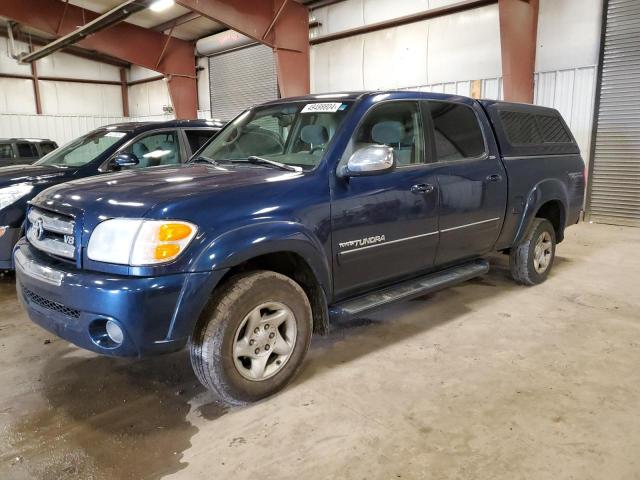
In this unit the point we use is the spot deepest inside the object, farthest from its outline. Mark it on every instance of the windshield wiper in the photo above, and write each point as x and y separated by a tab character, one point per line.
202	159
265	161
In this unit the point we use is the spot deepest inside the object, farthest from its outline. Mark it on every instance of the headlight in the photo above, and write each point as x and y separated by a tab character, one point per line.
9	195
139	242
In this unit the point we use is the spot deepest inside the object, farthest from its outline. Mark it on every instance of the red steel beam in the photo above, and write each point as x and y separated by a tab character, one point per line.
134	44
518	37
281	24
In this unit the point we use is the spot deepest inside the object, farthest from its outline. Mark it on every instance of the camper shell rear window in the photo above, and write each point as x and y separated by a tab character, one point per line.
528	130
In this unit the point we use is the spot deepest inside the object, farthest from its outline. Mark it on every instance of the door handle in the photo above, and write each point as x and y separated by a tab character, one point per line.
422	188
494	178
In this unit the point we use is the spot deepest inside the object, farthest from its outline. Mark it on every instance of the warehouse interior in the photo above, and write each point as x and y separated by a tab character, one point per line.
487	379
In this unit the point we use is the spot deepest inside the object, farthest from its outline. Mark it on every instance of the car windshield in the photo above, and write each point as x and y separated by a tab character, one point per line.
295	134
82	150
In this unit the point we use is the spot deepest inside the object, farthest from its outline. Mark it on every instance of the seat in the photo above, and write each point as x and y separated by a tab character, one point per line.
314	135
392	133
140	150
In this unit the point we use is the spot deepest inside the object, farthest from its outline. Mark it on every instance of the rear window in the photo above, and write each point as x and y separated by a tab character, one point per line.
27	150
47	147
457	133
198	138
6	151
533	129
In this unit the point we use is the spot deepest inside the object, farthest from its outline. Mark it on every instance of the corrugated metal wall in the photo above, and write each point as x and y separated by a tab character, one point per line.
241	78
572	93
615	182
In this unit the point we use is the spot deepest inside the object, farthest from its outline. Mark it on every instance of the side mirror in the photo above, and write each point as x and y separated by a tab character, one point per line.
370	160
124	160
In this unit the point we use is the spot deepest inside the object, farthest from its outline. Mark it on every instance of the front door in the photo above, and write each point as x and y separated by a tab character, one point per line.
385	226
473	183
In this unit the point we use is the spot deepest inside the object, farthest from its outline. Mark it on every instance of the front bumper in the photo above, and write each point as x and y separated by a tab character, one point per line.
156	314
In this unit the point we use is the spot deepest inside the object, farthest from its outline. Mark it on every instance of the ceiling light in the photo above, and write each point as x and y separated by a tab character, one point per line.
160	5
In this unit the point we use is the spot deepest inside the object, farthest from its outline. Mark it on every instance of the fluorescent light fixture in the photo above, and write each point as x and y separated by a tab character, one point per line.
160	5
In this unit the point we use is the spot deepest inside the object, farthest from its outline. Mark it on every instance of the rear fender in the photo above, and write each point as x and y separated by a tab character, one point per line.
543	192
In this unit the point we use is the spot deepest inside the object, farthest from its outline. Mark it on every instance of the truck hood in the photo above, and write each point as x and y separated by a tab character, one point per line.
134	192
34	174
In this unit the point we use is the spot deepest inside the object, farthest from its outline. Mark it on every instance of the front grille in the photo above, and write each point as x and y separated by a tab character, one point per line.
52	233
50	304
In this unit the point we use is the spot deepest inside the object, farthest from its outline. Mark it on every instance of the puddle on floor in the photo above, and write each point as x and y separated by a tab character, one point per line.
104	418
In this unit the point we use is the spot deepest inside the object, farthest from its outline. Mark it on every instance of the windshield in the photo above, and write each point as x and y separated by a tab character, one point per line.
82	150
295	134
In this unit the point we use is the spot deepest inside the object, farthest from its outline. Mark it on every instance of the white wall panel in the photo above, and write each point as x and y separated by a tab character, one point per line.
70	98
464	46
568	34
16	96
136	73
147	99
70	66
395	57
375	11
572	93
458	47
204	96
8	64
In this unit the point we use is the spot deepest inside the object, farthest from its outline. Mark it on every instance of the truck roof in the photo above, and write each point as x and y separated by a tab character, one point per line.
142	126
23	139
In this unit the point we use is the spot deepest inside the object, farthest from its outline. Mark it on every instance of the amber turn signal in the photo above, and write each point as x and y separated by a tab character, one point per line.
173	231
166	251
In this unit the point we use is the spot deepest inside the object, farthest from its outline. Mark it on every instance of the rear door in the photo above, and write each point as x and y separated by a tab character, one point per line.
385	226
473	184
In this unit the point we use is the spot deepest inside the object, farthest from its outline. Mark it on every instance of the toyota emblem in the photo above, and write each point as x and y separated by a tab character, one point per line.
38	228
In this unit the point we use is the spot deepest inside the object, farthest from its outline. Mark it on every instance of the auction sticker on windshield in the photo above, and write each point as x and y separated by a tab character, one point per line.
321	107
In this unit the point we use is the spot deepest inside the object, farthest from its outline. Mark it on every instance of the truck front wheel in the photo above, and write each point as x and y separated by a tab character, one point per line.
531	261
252	337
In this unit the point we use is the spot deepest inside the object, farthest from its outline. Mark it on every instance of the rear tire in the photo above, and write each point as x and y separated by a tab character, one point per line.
252	337
532	260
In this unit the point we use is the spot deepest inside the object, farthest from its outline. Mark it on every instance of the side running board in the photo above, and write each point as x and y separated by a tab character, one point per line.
410	289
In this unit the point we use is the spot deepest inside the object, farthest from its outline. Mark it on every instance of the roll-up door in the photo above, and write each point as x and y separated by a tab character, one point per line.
241	78
615	183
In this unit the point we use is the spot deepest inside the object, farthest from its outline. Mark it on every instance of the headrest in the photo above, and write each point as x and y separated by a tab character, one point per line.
387	132
314	134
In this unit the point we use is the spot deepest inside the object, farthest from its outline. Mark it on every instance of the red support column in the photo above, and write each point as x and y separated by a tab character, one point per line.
184	96
518	36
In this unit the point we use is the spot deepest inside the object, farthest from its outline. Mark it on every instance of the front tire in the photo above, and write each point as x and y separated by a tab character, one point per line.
252	337
531	261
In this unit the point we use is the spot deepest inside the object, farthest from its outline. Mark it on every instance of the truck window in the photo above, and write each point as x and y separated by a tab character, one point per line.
27	150
47	147
158	148
6	151
533	129
457	133
198	138
397	125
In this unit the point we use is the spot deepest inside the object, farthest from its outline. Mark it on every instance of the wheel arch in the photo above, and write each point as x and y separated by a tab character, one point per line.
548	199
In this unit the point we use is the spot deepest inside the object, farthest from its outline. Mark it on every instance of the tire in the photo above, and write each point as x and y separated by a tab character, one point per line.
525	267
240	312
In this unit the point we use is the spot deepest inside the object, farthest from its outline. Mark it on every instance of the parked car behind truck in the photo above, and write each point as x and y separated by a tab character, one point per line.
106	149
301	210
24	151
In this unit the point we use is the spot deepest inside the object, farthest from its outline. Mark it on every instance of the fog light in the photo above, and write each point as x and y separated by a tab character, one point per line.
114	332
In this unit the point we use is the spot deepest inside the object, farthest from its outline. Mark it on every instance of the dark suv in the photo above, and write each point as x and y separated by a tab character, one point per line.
106	149
23	151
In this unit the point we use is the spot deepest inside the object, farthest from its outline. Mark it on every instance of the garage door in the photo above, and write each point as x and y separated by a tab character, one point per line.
615	187
241	78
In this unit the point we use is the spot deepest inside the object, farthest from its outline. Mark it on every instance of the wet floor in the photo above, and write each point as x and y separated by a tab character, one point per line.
485	380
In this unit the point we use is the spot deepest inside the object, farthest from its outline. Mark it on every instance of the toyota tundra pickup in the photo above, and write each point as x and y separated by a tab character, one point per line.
300	211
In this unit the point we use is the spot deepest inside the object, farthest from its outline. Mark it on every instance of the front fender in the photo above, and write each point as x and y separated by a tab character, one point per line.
543	192
236	246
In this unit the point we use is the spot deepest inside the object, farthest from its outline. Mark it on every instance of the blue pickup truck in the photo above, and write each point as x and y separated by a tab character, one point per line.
299	211
106	149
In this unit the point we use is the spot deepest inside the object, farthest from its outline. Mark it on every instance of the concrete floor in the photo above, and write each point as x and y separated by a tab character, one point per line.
488	380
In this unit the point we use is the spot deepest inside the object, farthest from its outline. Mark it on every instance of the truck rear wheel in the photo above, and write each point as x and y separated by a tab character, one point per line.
252	337
531	261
